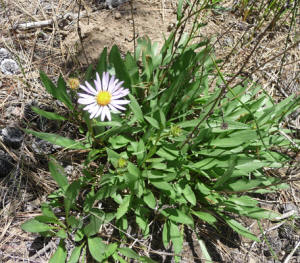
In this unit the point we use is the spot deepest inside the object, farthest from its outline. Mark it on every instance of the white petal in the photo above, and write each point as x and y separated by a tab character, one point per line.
120	102
98	85
111	82
102	115
117	86
121	91
90	107
90	87
85	96
105	80
117	106
117	96
113	109
93	112
86	100
98	78
87	89
107	113
99	112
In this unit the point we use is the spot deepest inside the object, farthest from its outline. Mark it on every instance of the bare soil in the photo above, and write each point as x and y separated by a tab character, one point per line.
59	48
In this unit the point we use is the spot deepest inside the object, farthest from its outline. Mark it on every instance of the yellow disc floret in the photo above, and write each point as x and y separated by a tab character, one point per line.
103	98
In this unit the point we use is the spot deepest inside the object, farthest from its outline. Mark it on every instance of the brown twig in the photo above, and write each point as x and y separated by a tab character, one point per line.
79	32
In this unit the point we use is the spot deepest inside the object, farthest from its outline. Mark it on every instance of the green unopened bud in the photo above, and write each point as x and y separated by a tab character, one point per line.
175	130
122	163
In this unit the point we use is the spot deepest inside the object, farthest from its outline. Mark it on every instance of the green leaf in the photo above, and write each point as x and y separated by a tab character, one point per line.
105	192
166	234
179	10
205	216
236	226
118	258
47	219
123	208
141	151
62	94
121	71
136	109
102	62
34	226
227	175
58	92
108	123
47	211
97	248
57	174
48	84
128	252
111	249
168	153
143	223
153	122
58	140
134	170
205	254
189	194
71	195
97	217
177	216
75	254
60	254
79	235
176	238
149	199
147	260
89	74
235	139
48	115
61	234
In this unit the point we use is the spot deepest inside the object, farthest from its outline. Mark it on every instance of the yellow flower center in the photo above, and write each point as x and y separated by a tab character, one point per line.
103	98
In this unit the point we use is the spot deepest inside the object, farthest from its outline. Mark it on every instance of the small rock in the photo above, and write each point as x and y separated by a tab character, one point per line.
118	15
171	27
6	164
114	3
289	207
29	115
43	147
285	231
102	29
69	169
4	53
9	67
12	111
12	137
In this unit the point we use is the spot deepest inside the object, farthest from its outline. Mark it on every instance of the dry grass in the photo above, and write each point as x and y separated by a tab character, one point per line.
50	48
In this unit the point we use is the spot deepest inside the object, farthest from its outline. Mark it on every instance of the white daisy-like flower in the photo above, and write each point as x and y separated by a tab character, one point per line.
105	98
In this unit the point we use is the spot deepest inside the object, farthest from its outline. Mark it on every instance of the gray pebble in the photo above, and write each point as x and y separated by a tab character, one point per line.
4	53
289	207
9	67
114	3
43	147
6	164
12	137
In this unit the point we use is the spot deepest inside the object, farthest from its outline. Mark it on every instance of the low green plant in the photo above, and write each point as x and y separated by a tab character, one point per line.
188	149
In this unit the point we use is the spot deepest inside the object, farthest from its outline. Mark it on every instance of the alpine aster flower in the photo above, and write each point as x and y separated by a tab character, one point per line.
105	98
